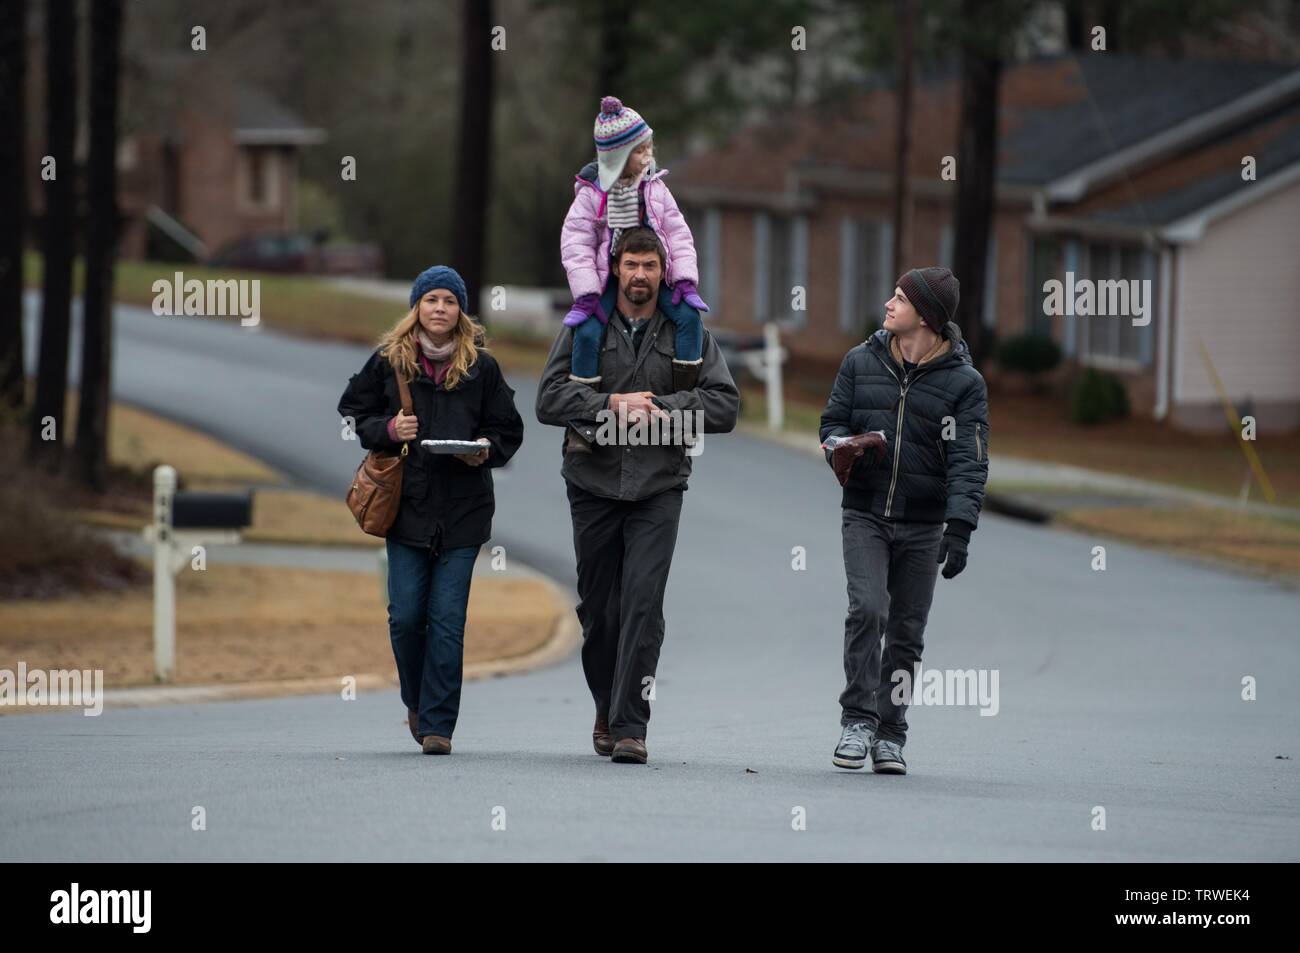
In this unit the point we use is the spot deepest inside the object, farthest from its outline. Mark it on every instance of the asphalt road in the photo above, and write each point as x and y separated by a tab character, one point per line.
1119	689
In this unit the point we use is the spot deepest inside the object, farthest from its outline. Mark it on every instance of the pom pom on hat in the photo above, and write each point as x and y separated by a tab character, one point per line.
618	130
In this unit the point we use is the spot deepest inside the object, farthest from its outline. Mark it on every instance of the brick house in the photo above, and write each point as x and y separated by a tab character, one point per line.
204	158
221	163
1110	167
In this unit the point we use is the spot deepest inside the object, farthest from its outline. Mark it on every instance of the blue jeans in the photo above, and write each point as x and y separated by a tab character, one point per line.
428	593
688	331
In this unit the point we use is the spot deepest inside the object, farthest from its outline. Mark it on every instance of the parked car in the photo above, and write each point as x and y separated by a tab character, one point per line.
300	253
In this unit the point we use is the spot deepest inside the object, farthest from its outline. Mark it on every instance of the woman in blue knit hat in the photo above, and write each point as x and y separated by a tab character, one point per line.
447	502
624	189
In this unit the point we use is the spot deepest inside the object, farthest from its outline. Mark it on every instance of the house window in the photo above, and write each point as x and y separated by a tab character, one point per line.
865	283
259	179
1045	263
706	229
710	258
780	277
1109	339
781	264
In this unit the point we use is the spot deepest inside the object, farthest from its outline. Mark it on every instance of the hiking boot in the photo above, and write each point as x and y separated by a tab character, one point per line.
412	722
601	739
686	374
436	744
629	751
851	752
887	758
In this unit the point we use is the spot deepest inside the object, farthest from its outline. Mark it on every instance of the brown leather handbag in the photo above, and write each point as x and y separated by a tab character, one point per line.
376	490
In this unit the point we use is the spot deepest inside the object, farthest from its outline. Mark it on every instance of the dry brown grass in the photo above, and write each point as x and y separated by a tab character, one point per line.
1254	542
1036	428
244	623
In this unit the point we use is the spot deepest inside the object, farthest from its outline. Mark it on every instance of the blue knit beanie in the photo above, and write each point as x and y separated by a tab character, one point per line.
440	276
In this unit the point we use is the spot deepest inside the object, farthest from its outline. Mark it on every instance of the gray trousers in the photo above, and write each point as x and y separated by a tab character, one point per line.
891	567
624	549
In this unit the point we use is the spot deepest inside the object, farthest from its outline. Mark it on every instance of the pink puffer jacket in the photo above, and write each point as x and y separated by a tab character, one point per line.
585	238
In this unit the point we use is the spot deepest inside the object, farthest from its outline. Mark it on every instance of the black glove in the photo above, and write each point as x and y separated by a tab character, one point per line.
952	548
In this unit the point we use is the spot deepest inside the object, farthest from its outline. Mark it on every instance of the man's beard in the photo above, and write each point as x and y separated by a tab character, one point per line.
638	293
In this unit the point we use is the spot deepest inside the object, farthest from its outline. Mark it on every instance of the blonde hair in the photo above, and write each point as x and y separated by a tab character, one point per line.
400	345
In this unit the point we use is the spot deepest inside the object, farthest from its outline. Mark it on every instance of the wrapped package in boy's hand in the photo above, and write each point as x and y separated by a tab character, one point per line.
846	451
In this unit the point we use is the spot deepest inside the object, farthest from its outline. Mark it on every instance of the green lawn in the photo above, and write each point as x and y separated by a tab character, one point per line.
297	304
300	304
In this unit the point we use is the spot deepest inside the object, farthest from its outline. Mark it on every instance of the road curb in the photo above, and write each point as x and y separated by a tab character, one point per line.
1016	508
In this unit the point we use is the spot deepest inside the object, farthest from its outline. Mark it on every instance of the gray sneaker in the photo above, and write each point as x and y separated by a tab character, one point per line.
851	752
887	758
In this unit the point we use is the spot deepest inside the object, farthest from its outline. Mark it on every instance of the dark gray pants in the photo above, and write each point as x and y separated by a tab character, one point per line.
891	567
624	550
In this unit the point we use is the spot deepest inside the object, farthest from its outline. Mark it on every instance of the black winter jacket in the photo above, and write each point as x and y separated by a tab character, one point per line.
923	477
445	502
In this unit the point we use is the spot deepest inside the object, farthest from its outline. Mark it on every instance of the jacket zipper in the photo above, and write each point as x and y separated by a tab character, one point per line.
898	437
898	429
979	447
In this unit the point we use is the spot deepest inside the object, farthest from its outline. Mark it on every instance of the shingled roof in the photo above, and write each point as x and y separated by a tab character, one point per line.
260	119
1112	101
1060	117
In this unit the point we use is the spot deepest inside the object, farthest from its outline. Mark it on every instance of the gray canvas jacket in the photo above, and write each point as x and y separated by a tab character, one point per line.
621	471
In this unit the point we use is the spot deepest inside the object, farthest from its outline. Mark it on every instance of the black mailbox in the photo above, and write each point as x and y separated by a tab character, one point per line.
195	510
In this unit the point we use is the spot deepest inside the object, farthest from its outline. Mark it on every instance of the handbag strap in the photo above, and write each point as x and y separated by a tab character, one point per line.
404	392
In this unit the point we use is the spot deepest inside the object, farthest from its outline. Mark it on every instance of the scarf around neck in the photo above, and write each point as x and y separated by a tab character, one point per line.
439	356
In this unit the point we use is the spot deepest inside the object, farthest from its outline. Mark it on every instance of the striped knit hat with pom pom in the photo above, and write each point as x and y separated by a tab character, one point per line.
619	130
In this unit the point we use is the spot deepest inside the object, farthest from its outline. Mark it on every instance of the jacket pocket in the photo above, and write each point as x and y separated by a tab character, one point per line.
415	481
473	482
580	438
979	446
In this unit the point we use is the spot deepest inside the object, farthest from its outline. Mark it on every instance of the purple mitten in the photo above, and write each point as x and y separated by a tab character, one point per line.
686	289
582	309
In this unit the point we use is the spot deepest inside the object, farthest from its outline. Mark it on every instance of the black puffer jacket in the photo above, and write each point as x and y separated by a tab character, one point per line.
445	502
923	477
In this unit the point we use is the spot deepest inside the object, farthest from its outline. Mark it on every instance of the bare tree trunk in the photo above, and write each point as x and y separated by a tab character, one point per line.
473	166
981	68
101	242
1109	16
13	200
906	11
611	57
1076	33
60	231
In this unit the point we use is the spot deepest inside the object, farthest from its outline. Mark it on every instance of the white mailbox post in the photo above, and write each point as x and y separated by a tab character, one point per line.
766	364
207	518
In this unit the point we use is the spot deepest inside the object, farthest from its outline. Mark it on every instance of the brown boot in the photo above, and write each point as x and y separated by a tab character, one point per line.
436	744
629	751
686	374
413	722
601	739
